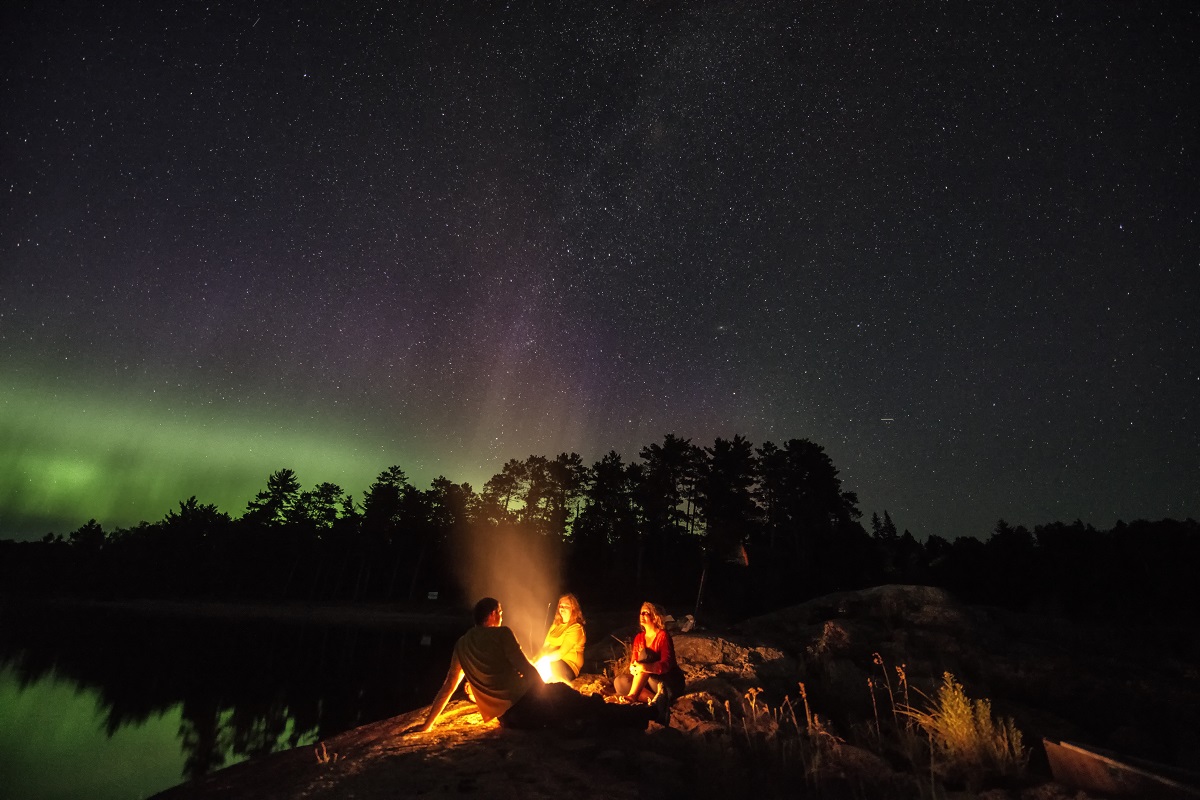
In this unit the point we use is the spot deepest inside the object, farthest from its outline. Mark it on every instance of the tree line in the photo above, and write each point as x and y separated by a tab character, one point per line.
732	528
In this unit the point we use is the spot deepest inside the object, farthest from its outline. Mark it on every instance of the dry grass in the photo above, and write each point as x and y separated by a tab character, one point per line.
966	744
947	741
763	751
620	664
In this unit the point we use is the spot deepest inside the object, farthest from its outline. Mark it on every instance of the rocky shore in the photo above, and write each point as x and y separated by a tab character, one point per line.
1135	691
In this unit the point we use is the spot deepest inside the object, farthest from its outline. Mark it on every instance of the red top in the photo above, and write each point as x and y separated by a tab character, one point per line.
662	645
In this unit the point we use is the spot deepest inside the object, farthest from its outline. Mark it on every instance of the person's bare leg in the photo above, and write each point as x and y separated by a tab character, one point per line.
638	690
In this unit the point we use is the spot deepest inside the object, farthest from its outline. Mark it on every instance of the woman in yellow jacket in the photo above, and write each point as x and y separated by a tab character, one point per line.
561	656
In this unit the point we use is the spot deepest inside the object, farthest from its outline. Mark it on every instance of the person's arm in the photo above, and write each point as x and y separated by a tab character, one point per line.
666	654
548	649
571	639
454	677
637	668
639	644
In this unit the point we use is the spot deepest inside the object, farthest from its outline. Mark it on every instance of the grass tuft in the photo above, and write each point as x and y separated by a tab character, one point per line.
966	743
950	741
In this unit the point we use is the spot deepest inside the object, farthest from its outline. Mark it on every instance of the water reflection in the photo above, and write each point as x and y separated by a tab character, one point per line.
221	691
55	745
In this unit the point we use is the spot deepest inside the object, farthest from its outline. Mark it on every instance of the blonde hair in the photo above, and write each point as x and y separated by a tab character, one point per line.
656	613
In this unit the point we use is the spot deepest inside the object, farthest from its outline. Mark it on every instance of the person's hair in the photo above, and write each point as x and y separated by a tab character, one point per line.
576	611
656	613
484	609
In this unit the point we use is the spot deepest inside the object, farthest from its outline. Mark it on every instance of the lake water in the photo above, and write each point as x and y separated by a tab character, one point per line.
114	704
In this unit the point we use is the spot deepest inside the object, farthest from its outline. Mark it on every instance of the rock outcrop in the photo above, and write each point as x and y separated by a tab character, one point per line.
837	662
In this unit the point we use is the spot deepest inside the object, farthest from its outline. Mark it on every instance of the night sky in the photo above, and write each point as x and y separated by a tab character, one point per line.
955	243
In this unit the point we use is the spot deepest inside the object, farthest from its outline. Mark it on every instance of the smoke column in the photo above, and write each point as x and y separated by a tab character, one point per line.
521	569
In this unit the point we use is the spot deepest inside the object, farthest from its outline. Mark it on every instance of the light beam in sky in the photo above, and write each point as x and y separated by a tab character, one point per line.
519	568
774	219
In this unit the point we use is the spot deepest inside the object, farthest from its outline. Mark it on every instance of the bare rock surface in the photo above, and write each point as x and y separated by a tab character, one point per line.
1123	689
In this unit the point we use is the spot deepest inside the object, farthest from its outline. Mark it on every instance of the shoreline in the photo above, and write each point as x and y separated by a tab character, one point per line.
366	616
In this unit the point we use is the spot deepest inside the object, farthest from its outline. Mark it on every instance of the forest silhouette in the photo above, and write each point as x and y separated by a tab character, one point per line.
727	530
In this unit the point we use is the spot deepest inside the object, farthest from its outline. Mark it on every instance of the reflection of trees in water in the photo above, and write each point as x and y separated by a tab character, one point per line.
258	731
212	732
202	738
243	689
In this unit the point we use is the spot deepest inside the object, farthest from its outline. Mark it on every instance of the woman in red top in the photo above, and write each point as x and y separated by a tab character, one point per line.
654	675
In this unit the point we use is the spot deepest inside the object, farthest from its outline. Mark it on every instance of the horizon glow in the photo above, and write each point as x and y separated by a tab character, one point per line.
65	460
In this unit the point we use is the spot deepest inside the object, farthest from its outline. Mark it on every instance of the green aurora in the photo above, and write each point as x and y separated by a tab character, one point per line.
121	460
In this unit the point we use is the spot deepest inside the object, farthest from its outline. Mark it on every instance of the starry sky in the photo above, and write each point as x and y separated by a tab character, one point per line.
954	243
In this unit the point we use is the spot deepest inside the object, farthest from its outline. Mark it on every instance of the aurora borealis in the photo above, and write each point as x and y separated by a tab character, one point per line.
954	244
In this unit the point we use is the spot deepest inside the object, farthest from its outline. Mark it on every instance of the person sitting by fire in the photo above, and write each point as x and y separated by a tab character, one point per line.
561	656
654	675
506	687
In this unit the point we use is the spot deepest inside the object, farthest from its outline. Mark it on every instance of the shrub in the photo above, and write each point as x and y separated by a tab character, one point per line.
966	744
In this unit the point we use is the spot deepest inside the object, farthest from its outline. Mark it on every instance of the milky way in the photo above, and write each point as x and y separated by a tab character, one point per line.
955	244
